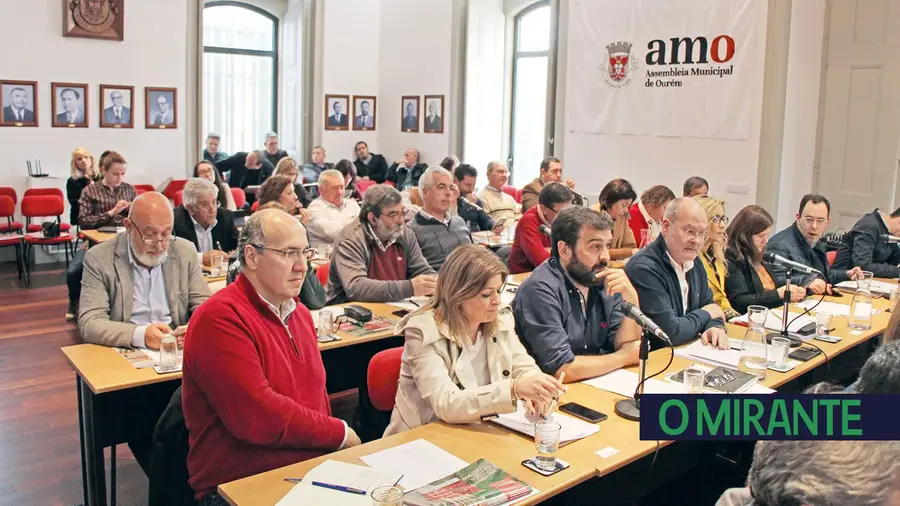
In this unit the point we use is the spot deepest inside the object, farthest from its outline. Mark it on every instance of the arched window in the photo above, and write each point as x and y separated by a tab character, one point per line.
240	55
531	58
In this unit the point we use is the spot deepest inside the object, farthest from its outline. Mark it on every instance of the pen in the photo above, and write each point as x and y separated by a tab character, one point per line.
555	401
339	488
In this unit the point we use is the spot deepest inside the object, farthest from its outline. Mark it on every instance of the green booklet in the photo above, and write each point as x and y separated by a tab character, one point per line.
479	484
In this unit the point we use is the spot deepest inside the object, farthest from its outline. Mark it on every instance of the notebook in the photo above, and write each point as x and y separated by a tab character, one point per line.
334	472
573	429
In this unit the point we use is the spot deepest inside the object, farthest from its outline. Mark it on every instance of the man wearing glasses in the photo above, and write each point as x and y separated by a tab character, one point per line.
531	246
671	282
801	242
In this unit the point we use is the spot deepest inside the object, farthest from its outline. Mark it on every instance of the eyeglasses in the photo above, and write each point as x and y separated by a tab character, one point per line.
294	255
695	234
810	221
719	220
150	241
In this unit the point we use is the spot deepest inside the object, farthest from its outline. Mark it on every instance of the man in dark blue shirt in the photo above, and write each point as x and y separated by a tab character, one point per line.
569	311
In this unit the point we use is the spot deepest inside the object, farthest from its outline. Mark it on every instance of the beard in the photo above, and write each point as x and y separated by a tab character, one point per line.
149	261
386	233
584	275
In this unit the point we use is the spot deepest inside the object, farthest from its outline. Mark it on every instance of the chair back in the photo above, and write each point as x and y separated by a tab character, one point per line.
518	196
364	184
322	273
382	378
34	206
141	188
9	192
831	255
33	192
510	190
168	464
179	198
7	206
240	198
254	207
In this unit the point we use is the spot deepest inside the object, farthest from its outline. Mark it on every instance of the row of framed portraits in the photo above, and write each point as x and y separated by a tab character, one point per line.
70	106
364	113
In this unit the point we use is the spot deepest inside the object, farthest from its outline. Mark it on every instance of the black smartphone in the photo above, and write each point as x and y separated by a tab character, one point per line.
400	313
583	412
828	339
804	354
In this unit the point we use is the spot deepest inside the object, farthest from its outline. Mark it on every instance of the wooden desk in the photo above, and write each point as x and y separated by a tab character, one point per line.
96	237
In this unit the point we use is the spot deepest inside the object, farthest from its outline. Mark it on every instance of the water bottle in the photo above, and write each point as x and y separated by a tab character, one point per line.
860	317
754	352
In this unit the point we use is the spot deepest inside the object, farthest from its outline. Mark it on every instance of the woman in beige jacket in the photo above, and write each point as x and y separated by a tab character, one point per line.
462	361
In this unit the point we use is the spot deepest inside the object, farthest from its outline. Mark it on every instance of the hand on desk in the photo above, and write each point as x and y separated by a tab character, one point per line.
352	438
207	257
630	353
715	336
817	287
154	334
798	293
538	390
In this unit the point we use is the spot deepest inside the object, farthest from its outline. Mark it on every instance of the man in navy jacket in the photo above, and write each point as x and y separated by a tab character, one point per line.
671	282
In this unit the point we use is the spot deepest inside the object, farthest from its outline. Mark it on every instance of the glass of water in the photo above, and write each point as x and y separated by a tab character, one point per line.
217	265
387	496
327	324
823	323
168	353
546	440
781	347
693	380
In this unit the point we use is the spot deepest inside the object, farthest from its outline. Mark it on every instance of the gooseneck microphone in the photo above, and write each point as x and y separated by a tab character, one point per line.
772	258
544	230
643	320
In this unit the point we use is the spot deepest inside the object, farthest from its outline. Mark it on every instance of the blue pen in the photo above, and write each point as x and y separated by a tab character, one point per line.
340	488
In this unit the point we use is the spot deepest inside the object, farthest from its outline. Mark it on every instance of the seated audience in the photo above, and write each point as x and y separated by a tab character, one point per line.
647	213
615	200
331	212
750	282
450	163
246	169
801	243
551	172
881	372
348	172
254	400
369	165
206	170
820	473
211	153
377	258
318	164
494	200
272	153
569	311
279	189
406	172
864	247
288	167
531	245
671	281
712	254
467	205
437	231
462	361
695	186
83	173
199	220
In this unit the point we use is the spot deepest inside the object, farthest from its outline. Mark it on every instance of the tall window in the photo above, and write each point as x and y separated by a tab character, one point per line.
240	49
531	56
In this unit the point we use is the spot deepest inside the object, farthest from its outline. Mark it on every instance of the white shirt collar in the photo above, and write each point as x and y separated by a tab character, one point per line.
200	227
687	266
284	312
646	215
331	204
445	220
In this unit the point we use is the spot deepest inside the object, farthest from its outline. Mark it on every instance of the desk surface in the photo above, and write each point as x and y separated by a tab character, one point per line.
96	237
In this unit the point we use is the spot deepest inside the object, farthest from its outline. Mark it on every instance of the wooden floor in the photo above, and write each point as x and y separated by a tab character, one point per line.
40	460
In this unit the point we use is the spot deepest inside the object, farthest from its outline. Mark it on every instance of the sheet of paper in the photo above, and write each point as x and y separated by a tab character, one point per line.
773	320
572	428
335	472
835	308
419	461
876	286
607	452
403	304
710	354
624	383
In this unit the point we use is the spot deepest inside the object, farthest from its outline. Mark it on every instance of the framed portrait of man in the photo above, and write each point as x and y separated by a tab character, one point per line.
434	114
161	108
70	104
363	112
409	113
336	107
94	19
19	103
116	106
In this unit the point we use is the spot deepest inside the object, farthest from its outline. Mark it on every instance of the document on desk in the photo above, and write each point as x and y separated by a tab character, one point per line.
624	383
342	474
773	320
420	462
876	286
573	429
710	354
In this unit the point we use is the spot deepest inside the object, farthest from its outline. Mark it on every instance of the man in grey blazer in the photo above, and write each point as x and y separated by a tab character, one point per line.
143	284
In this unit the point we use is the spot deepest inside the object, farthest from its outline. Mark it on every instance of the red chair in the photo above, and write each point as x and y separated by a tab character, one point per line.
44	206
141	188
322	273
518	196
831	255
254	207
510	190
173	187
10	225
382	378
36	192
240	198
179	198
7	209
364	184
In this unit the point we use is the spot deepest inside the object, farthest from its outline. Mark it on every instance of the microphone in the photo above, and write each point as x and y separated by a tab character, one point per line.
544	229
635	314
772	258
890	239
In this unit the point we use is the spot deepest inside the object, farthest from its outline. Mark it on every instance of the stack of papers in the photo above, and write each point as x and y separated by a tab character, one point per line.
876	286
333	472
710	354
624	383
573	429
773	320
419	461
411	304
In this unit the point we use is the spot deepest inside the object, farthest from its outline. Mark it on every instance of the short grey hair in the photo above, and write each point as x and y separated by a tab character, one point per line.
676	205
333	174
376	199
825	472
495	163
426	181
881	372
270	135
252	234
213	136
196	188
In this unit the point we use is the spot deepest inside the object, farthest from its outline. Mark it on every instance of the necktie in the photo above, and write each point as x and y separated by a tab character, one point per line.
118	117
19	115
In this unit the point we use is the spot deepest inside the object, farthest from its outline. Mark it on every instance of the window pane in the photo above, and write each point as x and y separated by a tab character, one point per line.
530	89
237	99
237	27
534	30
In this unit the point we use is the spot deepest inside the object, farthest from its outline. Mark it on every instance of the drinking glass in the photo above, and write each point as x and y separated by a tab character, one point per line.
217	265
168	353
325	251
781	347
860	317
756	316
546	440
823	323
327	324
693	380
387	496
754	354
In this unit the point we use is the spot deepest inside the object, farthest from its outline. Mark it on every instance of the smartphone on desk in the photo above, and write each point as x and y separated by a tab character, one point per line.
583	412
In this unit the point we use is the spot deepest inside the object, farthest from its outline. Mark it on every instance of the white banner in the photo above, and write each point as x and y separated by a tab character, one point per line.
662	68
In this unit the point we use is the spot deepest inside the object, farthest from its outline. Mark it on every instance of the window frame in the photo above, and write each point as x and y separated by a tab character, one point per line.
251	52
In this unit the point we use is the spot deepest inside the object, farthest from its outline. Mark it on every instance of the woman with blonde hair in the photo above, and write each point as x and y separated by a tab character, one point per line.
84	172
288	167
713	252
462	360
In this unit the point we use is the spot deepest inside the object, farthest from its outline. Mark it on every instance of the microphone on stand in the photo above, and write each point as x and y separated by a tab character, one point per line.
643	320
544	230
772	258
630	409
890	239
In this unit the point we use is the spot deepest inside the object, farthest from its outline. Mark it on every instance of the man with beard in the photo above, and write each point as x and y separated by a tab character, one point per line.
377	258
671	281
569	311
369	165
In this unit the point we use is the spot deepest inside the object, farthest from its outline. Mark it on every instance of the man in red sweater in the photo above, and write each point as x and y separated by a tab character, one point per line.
254	394
531	246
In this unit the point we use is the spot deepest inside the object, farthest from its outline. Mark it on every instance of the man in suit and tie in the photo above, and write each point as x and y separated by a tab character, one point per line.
72	113
201	220
410	121
433	122
338	119
364	120
118	114
164	116
16	112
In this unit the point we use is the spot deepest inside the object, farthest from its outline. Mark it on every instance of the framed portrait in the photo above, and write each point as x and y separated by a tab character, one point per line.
19	103
409	113
94	19
161	107
70	104
336	107
116	106
434	114
363	112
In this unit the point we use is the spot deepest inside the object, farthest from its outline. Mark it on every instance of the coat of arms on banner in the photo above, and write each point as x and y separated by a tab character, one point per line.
620	66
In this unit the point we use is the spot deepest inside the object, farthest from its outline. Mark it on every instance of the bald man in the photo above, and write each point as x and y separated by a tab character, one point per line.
254	385
671	282
406	172
143	284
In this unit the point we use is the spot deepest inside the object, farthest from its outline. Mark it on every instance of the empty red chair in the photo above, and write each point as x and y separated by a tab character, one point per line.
174	186
9	225
364	184
43	191
382	378
7	209
240	198
44	206
179	198
322	273
254	207
518	196
141	188
831	255
510	190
